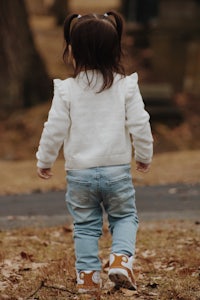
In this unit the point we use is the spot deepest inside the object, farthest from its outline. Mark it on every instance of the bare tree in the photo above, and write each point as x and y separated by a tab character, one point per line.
24	80
60	10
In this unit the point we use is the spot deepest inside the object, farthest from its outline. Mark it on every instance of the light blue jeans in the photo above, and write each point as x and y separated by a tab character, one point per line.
88	191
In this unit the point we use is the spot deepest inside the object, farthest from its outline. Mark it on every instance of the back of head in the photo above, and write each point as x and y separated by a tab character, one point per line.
95	42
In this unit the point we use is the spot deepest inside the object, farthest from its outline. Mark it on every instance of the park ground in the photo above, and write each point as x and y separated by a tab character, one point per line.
38	263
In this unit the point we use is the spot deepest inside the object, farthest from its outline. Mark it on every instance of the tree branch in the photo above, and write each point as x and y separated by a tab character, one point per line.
42	284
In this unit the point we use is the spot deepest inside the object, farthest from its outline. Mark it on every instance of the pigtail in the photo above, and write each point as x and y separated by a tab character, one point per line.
118	22
67	26
67	32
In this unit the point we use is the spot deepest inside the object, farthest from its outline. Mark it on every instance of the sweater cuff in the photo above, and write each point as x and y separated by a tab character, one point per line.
143	160
43	165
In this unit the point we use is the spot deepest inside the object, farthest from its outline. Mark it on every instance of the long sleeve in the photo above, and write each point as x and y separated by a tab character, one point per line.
137	121
55	130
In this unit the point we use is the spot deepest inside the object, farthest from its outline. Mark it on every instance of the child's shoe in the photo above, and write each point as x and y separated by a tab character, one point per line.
88	281
121	271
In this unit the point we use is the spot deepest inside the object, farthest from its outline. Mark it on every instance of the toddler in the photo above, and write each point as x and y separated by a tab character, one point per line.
97	115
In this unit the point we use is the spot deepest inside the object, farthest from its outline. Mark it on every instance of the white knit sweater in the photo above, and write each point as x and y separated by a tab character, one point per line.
95	129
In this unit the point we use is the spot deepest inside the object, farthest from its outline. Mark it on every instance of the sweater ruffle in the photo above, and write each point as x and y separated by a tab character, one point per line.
60	86
132	84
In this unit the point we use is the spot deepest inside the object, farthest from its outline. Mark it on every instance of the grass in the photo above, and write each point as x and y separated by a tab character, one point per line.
39	263
167	168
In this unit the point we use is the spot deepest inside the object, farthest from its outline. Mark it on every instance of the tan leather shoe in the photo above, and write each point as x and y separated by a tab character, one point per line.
121	271
88	281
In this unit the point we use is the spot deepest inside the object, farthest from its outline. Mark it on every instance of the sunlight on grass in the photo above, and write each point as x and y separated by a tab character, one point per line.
175	167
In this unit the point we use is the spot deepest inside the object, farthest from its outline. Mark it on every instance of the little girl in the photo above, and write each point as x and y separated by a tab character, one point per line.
96	115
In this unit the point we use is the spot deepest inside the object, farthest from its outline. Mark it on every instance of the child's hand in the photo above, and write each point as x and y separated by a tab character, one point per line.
44	173
141	167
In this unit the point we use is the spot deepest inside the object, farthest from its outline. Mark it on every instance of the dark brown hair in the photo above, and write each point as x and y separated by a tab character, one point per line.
96	44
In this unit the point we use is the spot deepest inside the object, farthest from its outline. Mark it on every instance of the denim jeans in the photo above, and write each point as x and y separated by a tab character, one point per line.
88	191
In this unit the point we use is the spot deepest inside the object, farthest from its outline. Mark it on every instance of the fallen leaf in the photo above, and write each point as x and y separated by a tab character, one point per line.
128	293
67	228
105	264
148	253
152	285
26	256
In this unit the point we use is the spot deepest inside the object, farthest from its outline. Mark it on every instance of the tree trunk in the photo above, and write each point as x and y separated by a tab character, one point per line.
60	10
25	81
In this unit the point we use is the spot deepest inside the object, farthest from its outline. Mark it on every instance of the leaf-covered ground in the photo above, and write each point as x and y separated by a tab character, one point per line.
39	263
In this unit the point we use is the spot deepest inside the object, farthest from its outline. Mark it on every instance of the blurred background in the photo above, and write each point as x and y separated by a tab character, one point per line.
161	43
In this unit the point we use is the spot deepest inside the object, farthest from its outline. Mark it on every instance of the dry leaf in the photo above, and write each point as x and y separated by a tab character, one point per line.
152	285
128	293
26	256
67	228
148	253
105	263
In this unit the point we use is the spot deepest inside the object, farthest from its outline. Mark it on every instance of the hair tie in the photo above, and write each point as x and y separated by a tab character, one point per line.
79	16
